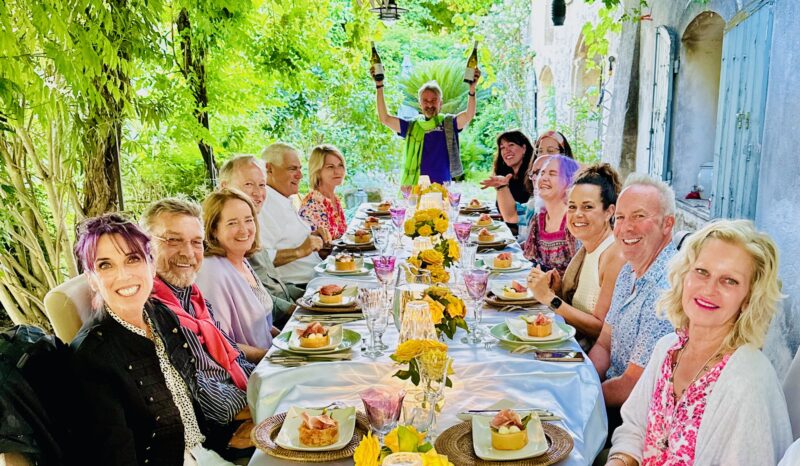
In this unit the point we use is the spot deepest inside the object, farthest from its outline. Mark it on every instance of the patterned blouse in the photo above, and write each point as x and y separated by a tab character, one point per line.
551	250
320	211
672	425
177	387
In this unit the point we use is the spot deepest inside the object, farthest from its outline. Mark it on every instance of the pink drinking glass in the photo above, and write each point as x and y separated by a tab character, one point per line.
384	268
398	217
383	406
406	191
476	281
462	230
454	198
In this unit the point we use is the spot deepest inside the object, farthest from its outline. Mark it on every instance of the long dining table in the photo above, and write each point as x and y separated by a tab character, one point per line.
485	374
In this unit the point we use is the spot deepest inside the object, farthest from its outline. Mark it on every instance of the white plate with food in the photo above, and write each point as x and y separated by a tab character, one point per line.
534	445
301	433
315	337
512	291
518	326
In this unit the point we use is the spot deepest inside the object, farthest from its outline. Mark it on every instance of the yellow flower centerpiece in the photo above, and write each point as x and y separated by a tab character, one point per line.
432	188
400	439
447	310
410	351
443	255
427	222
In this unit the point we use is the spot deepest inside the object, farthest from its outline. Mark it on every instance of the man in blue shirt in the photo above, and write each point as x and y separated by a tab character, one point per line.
643	221
431	138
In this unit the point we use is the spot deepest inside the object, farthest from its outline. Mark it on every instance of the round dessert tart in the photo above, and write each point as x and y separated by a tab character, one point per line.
509	432
331	294
362	236
503	260
314	335
485	236
539	325
475	204
384	206
484	220
318	431
515	290
371	222
344	262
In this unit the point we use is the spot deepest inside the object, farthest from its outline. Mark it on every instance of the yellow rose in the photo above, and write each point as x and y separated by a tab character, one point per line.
431	458
422	216
408	227
455	308
431	256
452	249
368	451
441	225
407	350
425	230
437	310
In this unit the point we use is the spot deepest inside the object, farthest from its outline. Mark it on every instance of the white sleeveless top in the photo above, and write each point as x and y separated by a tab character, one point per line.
589	280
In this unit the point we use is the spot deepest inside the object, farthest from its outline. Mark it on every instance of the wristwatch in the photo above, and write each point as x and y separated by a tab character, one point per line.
555	303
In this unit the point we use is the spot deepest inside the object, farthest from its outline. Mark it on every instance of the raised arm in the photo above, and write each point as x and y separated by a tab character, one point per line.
390	121
463	118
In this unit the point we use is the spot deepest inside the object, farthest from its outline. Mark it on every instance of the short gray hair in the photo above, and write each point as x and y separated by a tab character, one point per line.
233	165
170	205
430	86
665	193
273	153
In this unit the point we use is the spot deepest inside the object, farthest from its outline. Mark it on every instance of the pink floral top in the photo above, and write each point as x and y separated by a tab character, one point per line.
672	426
320	211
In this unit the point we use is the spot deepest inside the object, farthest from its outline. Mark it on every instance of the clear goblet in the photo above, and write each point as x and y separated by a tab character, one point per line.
476	281
384	270
398	217
371	301
380	236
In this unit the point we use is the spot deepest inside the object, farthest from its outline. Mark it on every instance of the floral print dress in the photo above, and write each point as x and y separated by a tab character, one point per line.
320	211
672	425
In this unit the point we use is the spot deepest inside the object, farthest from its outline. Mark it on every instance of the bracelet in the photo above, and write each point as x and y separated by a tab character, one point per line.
378	87
501	187
471	94
620	457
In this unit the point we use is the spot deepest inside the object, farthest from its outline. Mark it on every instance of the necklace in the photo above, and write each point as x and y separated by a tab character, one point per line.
663	442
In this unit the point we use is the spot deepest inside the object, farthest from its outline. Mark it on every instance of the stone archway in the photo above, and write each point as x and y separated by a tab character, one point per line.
546	100
586	83
694	115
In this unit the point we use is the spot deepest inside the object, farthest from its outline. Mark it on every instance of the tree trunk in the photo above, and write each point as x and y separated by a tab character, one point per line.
102	187
195	72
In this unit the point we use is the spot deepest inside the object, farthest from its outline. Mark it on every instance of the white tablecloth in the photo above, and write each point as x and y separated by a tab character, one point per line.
482	378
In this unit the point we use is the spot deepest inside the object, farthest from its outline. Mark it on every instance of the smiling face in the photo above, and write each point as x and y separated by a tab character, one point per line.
512	153
717	284
640	227
551	187
332	173
178	248
430	103
586	218
548	146
286	178
236	229
123	277
251	180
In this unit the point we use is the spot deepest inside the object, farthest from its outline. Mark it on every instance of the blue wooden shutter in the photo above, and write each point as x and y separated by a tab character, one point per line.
661	116
743	96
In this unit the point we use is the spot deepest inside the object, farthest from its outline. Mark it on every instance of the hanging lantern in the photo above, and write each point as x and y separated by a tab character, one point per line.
558	10
387	10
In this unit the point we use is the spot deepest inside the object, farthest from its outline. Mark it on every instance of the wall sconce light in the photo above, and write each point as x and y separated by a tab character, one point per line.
558	10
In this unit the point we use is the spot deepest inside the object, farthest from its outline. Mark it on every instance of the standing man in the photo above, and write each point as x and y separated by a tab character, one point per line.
431	138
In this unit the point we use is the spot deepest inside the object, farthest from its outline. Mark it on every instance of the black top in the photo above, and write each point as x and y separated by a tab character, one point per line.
518	189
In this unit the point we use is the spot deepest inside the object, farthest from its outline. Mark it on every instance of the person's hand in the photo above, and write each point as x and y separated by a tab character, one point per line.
555	282
323	234
372	73
311	244
496	181
475	82
539	284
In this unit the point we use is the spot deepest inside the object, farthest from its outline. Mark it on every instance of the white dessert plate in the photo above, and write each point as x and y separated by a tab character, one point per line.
482	441
519	328
335	333
498	291
289	435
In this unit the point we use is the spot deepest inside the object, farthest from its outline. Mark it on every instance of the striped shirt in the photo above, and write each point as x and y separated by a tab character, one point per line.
219	398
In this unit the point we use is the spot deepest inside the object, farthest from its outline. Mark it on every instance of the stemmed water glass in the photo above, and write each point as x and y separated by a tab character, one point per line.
383	406
462	230
380	236
455	201
476	281
398	217
372	303
384	269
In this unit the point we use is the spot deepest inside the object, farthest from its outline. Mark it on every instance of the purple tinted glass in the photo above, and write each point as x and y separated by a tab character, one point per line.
384	267
476	281
455	198
462	230
398	215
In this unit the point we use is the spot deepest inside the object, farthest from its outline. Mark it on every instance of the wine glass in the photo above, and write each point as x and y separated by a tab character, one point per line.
383	406
406	191
462	230
380	235
476	281
371	301
398	218
384	269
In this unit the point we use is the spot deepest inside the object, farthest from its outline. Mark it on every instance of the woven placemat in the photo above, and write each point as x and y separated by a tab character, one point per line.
263	435
492	300
456	443
496	245
339	244
472	210
309	305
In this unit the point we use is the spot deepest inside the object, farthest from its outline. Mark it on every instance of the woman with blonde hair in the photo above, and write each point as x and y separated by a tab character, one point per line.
241	304
321	208
708	394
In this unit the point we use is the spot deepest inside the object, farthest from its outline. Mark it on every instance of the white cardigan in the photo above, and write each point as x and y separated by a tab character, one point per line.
745	421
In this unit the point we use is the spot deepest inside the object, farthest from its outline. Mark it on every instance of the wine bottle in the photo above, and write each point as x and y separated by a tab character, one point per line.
377	66
472	65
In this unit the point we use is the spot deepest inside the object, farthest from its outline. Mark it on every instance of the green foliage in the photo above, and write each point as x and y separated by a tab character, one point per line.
595	36
449	74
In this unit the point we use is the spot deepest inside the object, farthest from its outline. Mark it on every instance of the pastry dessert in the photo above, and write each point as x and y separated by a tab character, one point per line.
509	432
344	262
539	325
503	260
515	290
475	204
319	431
313	335
484	220
484	236
384	206
371	222
362	236
331	294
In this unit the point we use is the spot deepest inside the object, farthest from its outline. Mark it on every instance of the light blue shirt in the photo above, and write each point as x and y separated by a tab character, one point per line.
635	328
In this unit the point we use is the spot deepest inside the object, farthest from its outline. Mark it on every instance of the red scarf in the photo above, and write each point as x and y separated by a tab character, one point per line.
203	326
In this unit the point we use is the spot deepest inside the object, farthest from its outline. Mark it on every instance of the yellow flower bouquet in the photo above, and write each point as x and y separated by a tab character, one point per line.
412	352
432	188
427	222
401	439
447	310
444	254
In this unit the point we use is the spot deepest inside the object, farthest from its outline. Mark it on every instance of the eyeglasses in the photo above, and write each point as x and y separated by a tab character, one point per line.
550	151
178	242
